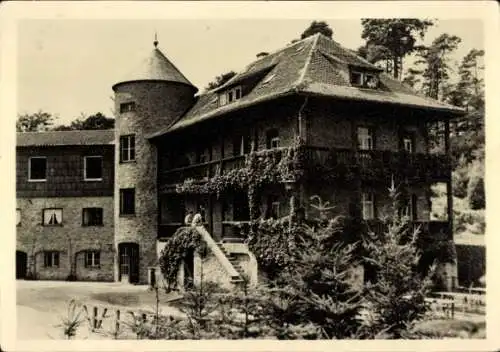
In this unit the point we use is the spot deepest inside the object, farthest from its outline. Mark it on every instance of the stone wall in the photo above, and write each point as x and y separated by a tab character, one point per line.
68	239
158	104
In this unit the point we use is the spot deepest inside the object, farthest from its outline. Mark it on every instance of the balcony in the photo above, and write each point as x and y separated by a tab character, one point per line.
377	164
201	172
335	163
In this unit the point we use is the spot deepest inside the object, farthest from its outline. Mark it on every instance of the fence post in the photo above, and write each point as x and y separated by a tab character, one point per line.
452	310
117	323
94	318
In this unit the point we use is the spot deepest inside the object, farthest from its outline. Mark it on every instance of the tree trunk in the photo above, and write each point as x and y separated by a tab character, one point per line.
395	68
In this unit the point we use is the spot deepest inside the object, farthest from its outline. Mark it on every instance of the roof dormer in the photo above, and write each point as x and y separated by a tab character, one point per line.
363	78
230	95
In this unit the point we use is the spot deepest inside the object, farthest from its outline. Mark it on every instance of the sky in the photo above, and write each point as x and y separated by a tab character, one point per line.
67	67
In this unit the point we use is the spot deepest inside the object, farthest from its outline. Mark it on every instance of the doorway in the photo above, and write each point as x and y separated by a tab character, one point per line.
129	262
21	264
189	270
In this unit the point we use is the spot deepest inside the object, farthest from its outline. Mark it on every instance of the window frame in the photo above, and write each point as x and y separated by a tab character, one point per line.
43	217
371	135
275	209
123	192
273	139
131	107
52	255
364	76
128	150
85	178
359	83
95	259
367	200
230	96
89	224
30	179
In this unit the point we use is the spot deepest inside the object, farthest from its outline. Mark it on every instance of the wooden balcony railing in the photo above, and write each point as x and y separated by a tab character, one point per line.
366	163
203	171
380	163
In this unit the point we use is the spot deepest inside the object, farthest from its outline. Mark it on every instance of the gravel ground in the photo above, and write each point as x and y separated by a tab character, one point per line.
42	304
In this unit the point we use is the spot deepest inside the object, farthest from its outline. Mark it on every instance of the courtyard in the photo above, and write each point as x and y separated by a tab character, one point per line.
42	304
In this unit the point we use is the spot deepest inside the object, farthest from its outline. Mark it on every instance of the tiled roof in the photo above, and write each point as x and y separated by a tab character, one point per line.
69	138
315	65
156	67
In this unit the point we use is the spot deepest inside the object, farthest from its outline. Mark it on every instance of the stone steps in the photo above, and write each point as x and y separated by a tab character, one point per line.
234	262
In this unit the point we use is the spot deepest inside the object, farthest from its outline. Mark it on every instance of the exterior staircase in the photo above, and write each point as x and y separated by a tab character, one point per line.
237	280
228	261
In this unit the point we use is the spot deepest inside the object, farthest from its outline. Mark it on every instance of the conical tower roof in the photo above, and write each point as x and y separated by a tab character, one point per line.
156	67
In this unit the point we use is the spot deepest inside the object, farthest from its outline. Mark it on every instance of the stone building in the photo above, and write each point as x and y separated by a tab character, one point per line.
356	130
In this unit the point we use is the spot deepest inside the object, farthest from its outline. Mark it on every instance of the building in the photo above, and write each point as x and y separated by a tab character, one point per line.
354	128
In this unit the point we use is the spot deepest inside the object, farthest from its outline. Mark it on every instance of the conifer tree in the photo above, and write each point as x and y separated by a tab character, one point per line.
396	298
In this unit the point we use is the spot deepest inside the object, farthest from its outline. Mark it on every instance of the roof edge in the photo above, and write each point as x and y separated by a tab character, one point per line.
455	110
154	80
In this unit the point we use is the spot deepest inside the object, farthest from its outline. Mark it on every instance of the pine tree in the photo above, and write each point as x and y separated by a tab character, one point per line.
316	296
396	298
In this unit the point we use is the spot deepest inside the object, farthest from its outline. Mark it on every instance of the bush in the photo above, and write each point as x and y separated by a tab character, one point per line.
460	179
475	190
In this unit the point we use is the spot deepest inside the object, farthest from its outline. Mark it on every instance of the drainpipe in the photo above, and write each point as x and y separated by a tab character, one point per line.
300	120
302	136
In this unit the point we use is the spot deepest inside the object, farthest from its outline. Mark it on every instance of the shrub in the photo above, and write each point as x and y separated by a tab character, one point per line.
175	251
475	190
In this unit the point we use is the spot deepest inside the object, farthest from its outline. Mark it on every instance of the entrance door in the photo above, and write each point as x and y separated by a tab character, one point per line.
21	264
189	270
129	262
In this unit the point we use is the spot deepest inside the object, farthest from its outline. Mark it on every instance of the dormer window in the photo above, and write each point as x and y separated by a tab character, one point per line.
230	96
364	79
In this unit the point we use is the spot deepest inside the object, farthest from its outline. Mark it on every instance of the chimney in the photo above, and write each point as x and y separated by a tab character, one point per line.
262	54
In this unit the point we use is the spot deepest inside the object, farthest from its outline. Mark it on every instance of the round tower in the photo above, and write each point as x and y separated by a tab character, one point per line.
152	97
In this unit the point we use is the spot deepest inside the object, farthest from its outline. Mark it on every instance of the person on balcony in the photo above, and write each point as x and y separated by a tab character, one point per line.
198	219
188	220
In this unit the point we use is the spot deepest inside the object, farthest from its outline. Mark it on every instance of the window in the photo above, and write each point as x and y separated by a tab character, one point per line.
127	148
92	168
127	107
410	207
127	201
367	206
18	217
365	138
273	139
407	142
50	259
364	79
92	259
52	217
275	210
230	96
273	207
202	155
37	168
370	81
356	78
241	145
92	217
